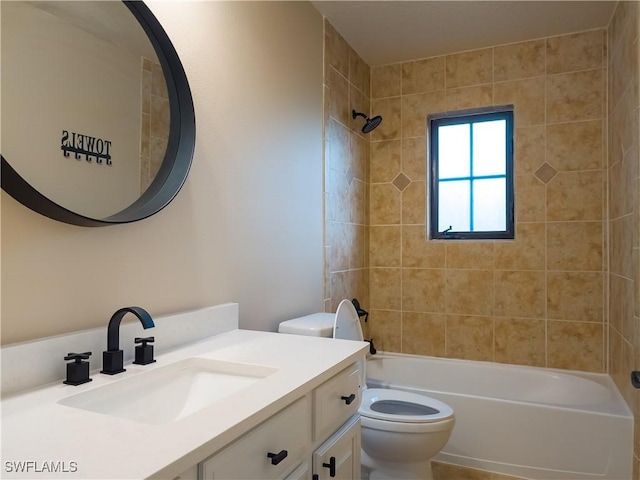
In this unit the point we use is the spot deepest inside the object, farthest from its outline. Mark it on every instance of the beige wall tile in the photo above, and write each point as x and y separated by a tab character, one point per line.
423	333
527	96
620	301
579	51
337	146
385	204
338	195
423	75
358	202
340	241
469	292
621	246
575	346
525	252
519	60
415	109
358	251
386	330
575	296
520	341
469	97
385	160
575	196
359	156
529	149
469	68
471	254
423	290
389	109
385	245
575	146
337	49
414	204
520	294
575	96
529	199
339	288
359	281
414	158
386	81
574	246
385	288
338	97
419	252
359	73
623	177
623	122
470	338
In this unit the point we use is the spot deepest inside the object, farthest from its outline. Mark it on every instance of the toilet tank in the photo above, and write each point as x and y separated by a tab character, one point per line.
314	325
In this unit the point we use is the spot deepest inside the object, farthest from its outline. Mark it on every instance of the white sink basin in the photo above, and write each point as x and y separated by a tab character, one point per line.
167	394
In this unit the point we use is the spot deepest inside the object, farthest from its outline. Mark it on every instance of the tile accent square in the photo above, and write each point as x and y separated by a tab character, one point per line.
545	173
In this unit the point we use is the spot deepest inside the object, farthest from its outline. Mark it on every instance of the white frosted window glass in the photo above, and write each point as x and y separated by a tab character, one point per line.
453	206
489	200
489	148
453	151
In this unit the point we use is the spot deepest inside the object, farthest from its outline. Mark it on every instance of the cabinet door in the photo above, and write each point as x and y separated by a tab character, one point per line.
339	456
271	451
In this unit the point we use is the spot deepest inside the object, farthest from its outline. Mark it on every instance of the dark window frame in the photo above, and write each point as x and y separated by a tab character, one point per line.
470	117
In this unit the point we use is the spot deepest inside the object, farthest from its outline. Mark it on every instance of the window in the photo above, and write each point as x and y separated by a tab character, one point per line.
471	175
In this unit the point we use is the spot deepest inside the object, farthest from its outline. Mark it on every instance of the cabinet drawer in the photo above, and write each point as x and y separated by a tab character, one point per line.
336	400
285	437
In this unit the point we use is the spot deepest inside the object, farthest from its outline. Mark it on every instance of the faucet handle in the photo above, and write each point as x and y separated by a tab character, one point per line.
144	352
78	357
77	371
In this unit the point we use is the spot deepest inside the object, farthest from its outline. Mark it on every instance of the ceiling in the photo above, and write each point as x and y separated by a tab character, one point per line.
384	32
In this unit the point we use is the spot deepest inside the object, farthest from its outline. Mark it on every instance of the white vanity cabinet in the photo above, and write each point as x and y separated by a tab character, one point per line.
315	437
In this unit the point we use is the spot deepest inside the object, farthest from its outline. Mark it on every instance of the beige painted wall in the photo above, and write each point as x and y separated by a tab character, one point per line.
247	225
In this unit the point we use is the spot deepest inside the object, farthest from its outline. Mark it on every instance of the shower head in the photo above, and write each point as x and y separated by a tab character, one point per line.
370	123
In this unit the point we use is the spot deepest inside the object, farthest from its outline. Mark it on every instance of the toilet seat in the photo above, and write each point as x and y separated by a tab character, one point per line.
400	406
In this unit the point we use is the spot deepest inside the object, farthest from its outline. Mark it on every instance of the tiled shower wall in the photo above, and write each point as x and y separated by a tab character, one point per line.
154	133
346	182
624	207
538	299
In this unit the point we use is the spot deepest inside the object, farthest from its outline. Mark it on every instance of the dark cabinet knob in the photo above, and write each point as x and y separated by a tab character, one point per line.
349	400
276	458
331	466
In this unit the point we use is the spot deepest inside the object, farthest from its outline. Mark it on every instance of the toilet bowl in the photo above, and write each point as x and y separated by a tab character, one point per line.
401	431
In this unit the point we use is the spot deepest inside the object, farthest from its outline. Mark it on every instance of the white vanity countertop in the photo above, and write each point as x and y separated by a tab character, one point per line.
36	429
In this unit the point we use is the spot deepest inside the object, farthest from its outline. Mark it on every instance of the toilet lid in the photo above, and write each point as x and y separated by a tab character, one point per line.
347	322
399	406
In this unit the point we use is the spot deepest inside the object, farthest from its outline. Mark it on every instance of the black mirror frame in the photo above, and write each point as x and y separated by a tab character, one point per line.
178	156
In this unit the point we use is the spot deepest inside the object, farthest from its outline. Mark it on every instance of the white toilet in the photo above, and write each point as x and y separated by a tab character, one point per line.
401	431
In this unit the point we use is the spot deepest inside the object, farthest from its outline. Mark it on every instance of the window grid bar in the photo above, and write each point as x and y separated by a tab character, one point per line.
471	173
479	177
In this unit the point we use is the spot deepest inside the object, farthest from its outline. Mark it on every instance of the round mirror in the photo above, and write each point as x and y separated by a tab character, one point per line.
98	124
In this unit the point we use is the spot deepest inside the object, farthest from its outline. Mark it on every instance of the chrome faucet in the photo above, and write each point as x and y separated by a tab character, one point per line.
113	357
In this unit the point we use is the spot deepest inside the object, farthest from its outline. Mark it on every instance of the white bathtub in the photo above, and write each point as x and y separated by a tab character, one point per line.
527	422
